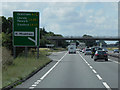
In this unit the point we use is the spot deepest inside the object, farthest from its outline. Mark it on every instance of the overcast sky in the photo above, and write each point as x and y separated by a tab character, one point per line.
72	18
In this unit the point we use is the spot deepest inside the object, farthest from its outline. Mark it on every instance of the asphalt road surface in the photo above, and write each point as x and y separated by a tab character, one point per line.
75	71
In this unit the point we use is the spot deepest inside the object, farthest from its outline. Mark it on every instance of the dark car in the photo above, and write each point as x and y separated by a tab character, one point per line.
116	51
100	54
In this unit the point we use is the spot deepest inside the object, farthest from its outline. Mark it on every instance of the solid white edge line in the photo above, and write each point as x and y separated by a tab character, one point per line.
99	77
52	68
106	85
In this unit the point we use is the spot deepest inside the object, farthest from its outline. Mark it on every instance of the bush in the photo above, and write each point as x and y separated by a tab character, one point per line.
7	59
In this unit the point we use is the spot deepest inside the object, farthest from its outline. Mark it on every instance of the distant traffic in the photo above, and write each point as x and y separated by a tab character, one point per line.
96	52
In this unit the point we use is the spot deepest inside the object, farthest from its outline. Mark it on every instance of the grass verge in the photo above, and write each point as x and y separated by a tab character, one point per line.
23	66
112	48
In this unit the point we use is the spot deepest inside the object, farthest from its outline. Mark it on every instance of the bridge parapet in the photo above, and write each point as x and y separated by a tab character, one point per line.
110	38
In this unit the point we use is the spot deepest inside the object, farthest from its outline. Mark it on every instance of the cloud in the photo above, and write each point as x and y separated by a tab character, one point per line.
73	18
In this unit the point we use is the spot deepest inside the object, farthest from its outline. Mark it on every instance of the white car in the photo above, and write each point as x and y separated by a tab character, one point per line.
72	49
88	51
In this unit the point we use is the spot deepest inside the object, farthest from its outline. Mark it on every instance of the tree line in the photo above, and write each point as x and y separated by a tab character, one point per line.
7	39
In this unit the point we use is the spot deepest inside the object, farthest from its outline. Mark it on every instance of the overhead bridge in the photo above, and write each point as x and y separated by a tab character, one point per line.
84	38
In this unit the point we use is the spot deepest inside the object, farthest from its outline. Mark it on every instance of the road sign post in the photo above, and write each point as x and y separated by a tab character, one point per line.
26	52
14	52
37	52
25	29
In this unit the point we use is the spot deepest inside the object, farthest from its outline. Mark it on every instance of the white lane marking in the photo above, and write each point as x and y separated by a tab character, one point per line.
31	87
88	64
94	71
106	85
86	61
99	77
34	85
114	61
83	58
91	67
52	68
38	81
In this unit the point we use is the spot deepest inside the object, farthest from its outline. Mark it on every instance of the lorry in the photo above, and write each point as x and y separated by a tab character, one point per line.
72	48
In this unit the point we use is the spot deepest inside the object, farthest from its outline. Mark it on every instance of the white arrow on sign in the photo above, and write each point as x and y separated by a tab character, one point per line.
35	41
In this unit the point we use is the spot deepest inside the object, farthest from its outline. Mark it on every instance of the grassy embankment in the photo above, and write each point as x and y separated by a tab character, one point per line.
21	66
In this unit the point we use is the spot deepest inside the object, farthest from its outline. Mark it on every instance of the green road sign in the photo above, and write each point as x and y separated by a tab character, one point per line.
26	28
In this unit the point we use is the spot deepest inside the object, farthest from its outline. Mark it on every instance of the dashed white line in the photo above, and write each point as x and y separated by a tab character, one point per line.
106	85
94	71
31	87
52	68
114	61
86	61
99	77
38	81
34	85
91	67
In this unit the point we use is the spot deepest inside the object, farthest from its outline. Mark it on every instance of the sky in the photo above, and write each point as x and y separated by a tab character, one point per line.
71	18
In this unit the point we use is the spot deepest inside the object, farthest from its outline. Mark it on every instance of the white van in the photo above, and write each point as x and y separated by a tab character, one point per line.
72	48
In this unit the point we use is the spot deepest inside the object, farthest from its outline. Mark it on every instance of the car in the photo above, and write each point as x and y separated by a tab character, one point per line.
71	49
99	48
100	54
104	49
116	51
88	51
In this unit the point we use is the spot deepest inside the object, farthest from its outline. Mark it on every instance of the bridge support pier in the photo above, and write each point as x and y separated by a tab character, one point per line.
56	43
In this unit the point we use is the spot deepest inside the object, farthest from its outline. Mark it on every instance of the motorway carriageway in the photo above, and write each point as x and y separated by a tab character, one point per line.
75	71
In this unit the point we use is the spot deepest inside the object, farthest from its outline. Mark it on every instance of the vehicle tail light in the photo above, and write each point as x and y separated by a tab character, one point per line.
105	54
96	54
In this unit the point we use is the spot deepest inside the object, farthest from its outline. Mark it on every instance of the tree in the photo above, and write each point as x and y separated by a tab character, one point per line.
4	24
89	43
7	32
43	41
